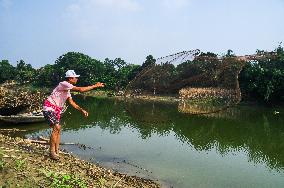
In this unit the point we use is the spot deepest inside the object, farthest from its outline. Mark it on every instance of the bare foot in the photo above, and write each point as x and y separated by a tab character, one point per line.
54	156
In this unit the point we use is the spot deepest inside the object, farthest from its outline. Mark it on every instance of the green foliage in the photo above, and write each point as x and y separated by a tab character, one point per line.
19	164
264	79
117	73
150	61
110	72
102	182
230	53
188	69
63	180
24	72
67	181
7	71
125	74
114	73
206	63
45	76
163	77
2	164
89	69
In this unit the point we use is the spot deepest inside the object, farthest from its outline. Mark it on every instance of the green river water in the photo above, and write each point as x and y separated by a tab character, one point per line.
242	146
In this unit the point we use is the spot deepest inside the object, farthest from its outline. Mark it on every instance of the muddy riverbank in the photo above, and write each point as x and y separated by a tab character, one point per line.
26	164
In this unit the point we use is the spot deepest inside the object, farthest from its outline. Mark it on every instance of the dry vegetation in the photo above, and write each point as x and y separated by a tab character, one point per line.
15	99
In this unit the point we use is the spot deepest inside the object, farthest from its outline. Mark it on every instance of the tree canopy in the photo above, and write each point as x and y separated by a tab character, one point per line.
260	79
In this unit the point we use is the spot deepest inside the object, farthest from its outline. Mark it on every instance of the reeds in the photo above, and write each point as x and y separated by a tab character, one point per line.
211	94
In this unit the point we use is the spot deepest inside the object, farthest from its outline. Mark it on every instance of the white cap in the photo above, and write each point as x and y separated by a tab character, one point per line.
71	73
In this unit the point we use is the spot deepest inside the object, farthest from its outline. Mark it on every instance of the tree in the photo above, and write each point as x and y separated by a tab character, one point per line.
24	72
118	73
7	71
126	73
46	76
91	70
230	53
150	61
263	79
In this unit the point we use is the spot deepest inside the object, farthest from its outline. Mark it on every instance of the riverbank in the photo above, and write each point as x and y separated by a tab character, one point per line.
171	98
26	164
154	98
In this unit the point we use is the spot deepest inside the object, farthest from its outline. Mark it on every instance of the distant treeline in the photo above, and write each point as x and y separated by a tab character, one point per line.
261	80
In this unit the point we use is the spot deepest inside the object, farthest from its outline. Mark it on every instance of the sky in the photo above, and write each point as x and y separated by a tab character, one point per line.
39	31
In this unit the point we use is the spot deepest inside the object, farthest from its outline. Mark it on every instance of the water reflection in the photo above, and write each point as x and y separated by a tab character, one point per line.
216	111
25	129
257	131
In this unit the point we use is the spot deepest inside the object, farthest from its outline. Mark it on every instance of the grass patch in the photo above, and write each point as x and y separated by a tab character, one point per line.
20	164
63	180
2	163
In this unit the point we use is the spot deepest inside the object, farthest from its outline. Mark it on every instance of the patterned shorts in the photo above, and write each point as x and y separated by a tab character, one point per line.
52	116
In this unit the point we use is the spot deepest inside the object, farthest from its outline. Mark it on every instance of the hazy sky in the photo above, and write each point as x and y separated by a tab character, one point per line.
39	31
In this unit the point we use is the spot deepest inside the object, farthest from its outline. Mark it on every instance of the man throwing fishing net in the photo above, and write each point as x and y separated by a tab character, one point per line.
53	106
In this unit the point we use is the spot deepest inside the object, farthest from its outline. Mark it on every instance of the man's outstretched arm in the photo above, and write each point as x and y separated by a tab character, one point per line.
88	88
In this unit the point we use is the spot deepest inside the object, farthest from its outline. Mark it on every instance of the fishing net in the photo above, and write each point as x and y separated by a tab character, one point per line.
203	82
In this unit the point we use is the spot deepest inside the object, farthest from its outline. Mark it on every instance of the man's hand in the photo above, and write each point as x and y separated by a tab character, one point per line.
99	84
85	113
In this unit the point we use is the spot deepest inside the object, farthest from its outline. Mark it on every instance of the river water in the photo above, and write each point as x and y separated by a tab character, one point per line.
242	146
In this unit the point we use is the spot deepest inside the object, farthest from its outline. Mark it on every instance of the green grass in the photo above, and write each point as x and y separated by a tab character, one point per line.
20	164
2	164
102	182
63	180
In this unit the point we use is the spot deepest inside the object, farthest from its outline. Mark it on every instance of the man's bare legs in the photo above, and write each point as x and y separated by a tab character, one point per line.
53	141
57	140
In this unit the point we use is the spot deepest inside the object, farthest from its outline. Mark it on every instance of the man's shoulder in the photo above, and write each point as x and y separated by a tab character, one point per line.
66	84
